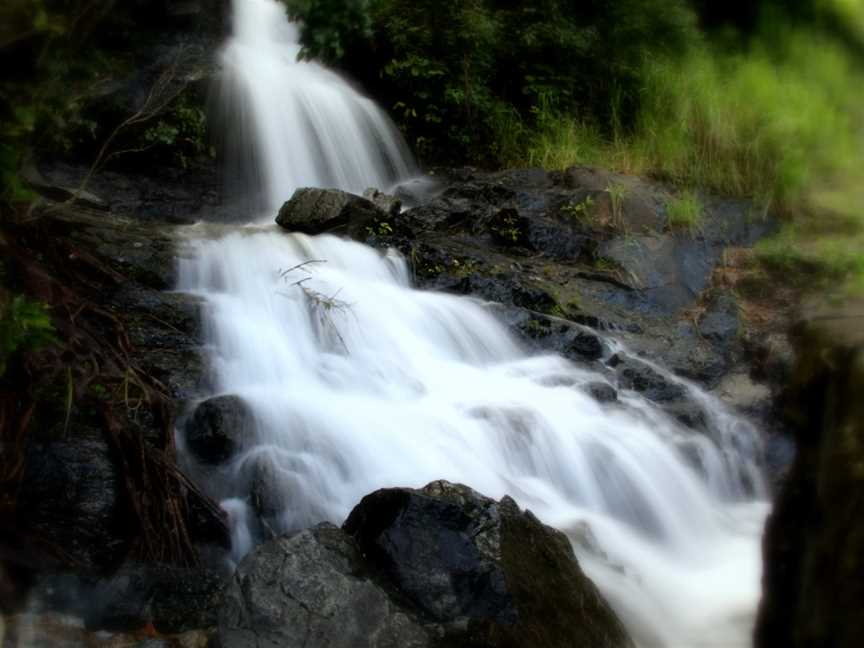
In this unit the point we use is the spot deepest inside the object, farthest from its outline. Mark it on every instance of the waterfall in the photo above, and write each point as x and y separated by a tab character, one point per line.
295	123
356	381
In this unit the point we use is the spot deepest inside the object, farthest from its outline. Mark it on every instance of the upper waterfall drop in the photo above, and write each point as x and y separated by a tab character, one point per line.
295	123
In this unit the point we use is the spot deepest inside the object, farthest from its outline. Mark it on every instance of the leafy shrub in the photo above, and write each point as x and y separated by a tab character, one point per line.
464	77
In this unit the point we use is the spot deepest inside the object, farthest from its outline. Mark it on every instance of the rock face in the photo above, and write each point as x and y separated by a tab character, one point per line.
98	484
216	429
308	590
316	211
814	540
70	496
440	566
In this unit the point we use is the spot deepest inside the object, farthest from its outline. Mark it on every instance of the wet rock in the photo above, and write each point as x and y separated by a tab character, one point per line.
309	590
489	573
391	205
69	498
585	345
440	566
417	191
636	375
721	324
316	211
602	392
558	241
217	428
687	413
668	271
694	358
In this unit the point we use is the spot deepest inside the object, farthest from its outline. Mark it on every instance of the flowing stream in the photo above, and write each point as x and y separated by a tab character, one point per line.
358	381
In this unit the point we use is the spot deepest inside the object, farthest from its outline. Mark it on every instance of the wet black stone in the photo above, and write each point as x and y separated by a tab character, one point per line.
217	428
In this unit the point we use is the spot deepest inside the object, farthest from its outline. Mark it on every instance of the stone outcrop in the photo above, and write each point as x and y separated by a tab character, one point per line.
439	566
217	427
319	211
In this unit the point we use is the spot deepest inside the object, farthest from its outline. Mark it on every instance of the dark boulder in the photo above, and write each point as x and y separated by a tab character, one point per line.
217	428
584	345
316	211
639	376
311	590
391	205
573	341
440	566
601	392
506	578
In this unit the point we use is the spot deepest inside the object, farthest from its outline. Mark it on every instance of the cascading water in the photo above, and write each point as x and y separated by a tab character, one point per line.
295	123
356	381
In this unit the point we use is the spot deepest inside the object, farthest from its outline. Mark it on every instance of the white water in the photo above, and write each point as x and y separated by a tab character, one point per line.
391	386
357	382
316	130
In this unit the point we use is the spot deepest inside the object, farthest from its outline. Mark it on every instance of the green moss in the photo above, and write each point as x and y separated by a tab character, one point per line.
684	211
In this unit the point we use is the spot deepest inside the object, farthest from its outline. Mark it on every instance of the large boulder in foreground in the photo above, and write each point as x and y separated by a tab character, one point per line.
814	539
440	566
319	211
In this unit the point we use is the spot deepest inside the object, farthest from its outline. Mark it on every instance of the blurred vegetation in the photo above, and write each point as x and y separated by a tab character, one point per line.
68	88
25	325
760	99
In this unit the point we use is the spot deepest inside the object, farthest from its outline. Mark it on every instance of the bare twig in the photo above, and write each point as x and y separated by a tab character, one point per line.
162	93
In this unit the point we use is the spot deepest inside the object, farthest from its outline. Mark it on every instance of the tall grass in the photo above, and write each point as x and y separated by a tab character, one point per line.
766	125
782	125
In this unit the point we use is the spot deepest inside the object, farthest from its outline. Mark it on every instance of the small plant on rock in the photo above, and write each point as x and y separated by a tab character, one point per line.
617	192
582	210
684	212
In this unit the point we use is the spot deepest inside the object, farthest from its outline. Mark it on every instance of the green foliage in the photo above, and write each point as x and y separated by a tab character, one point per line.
463	77
331	26
582	210
684	211
25	325
182	130
381	228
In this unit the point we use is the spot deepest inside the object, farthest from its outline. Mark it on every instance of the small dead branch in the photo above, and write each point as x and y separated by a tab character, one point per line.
163	92
323	306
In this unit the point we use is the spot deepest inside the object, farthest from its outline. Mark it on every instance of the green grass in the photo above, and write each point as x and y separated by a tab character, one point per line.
684	211
783	126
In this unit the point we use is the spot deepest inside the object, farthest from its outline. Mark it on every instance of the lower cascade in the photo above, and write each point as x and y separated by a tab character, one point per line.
350	380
